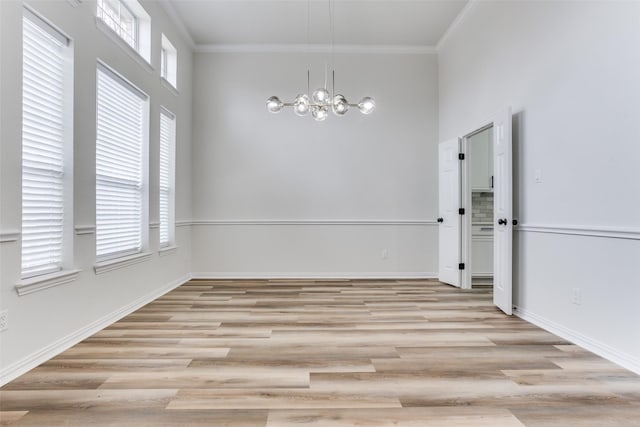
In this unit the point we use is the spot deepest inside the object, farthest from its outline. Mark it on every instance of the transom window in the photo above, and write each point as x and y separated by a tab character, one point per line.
129	21
169	62
120	19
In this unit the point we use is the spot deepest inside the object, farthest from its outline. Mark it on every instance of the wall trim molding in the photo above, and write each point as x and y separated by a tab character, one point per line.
317	48
178	22
625	360
85	229
20	367
183	223
317	276
9	236
590	231
455	24
314	222
114	264
46	281
154	224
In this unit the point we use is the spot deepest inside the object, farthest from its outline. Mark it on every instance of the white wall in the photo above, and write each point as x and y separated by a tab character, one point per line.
44	323
342	188
570	71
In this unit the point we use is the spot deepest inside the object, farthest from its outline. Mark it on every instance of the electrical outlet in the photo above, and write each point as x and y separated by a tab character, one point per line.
576	298
385	254
4	320
538	176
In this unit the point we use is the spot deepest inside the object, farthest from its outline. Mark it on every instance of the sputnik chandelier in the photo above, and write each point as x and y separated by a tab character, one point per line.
319	102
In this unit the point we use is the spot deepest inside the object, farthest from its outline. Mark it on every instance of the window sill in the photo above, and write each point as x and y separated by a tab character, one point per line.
114	264
123	44
39	283
167	250
166	83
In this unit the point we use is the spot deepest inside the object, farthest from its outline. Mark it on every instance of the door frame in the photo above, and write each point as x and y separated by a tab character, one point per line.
465	196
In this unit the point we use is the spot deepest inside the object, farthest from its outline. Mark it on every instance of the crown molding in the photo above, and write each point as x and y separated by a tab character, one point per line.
178	22
316	48
456	23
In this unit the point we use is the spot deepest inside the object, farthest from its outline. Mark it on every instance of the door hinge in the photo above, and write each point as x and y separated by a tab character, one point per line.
461	211
460	156
461	266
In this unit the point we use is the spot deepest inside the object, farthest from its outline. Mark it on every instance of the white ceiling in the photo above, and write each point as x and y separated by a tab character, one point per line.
366	23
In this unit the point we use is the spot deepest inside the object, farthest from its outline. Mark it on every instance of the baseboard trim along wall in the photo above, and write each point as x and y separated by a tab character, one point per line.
312	276
623	359
22	366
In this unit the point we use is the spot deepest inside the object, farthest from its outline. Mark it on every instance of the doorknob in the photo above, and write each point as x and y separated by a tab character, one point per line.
440	219
502	221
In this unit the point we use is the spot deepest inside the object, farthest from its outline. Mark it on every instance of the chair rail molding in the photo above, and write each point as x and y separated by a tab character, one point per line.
391	222
9	236
587	230
85	229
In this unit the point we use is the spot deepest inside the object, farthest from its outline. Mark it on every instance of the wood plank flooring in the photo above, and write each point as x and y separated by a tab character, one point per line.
327	354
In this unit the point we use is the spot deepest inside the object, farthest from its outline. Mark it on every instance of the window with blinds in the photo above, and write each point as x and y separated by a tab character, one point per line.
46	139
120	172
167	177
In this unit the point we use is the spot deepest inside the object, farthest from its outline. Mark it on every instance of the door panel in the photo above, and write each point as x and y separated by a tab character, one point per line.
503	213
449	219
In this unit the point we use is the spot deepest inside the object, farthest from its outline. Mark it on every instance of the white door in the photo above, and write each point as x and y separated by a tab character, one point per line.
449	219
502	212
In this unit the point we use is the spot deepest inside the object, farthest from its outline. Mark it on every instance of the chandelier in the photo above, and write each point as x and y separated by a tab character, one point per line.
320	101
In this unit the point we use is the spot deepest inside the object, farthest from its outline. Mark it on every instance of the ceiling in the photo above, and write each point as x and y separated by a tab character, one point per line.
365	23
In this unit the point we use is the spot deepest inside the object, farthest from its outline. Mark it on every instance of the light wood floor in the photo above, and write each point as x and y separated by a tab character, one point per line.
324	354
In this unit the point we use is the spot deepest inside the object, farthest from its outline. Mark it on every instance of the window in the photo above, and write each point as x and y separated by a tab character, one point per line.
47	143
167	177
169	62
129	20
121	156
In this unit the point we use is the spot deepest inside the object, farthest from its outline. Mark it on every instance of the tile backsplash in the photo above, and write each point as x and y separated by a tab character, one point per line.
481	207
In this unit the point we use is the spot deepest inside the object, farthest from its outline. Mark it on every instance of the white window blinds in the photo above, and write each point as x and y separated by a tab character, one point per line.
120	182
167	150
43	146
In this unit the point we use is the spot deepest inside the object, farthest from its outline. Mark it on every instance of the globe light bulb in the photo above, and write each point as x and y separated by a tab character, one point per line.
319	113
366	105
301	104
340	106
274	104
321	97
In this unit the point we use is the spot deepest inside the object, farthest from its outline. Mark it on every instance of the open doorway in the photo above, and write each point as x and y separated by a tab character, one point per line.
493	183
480	152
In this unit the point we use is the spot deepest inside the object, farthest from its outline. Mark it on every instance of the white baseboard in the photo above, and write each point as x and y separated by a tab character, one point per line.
319	276
33	360
625	360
